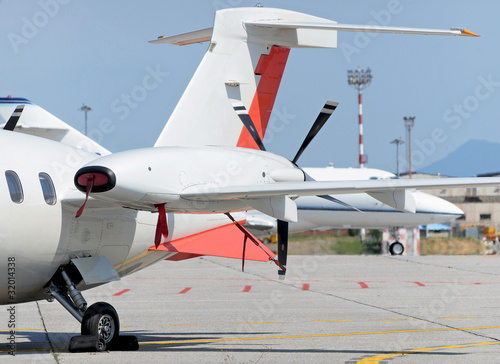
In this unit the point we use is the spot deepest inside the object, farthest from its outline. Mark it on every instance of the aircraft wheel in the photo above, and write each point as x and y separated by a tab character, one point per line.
101	319
396	248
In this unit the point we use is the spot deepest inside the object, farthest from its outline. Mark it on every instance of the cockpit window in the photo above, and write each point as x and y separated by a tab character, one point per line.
49	192
15	187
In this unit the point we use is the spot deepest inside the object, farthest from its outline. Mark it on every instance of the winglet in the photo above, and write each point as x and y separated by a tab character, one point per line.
469	33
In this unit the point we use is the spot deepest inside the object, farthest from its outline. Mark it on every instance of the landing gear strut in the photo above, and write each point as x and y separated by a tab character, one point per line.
100	325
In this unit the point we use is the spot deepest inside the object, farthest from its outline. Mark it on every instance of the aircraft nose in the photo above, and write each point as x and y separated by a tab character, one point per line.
440	208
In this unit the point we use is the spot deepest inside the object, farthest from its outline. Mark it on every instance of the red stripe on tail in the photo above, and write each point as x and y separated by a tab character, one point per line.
270	68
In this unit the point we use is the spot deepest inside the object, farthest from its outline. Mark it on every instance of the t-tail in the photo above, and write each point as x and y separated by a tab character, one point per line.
244	64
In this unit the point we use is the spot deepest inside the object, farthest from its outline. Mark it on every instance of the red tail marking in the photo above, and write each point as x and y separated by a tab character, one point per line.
419	284
247	288
305	287
161	225
121	292
223	241
270	68
363	285
187	289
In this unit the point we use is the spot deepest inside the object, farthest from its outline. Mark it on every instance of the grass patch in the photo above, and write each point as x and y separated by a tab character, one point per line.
354	247
451	246
330	244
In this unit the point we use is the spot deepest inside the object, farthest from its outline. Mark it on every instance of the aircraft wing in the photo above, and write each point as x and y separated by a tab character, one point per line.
36	121
310	188
395	193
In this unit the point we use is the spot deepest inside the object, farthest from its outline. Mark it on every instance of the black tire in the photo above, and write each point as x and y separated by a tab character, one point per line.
101	319
396	248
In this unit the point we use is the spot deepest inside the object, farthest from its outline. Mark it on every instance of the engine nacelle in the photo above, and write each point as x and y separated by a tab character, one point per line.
147	177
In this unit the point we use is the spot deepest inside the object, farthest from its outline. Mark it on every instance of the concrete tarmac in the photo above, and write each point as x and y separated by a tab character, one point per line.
338	309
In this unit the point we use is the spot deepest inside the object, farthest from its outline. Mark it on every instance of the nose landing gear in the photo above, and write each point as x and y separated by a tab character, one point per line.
100	325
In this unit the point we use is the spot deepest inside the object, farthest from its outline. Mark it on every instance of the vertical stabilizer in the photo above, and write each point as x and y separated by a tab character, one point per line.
243	64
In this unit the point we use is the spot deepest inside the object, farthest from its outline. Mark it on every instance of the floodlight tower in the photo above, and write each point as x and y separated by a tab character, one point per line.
409	122
85	109
398	142
360	79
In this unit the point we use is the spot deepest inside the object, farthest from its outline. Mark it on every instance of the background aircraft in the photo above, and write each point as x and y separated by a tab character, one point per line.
317	213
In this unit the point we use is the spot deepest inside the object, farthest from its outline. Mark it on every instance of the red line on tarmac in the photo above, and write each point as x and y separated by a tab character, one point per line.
247	288
305	287
185	290
419	284
363	285
121	292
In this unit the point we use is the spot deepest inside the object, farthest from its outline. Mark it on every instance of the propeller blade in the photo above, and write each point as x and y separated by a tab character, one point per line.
282	247
14	118
323	116
247	121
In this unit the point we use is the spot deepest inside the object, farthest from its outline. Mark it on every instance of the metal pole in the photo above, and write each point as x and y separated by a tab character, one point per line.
85	109
360	117
398	142
409	122
409	149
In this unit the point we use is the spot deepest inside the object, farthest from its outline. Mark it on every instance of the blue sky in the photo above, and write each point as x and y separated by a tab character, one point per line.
62	53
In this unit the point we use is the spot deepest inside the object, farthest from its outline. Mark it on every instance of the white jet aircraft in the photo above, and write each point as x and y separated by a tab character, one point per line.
313	212
73	219
359	211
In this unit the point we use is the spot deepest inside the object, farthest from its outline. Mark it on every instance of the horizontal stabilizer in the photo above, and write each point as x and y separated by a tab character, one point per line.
224	241
198	36
331	26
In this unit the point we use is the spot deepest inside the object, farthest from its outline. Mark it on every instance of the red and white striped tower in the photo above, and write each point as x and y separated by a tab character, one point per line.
360	79
361	147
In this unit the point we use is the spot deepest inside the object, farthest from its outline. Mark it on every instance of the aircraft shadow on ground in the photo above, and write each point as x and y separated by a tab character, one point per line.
155	342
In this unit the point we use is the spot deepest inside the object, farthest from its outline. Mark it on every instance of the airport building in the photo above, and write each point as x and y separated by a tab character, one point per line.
481	206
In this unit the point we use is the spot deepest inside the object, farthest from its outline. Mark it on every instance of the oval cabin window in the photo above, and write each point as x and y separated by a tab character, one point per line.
49	192
15	187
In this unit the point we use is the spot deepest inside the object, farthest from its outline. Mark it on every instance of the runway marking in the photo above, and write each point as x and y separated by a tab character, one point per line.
363	285
421	284
20	330
380	357
257	323
185	290
247	288
305	287
333	321
463	317
182	324
121	292
201	341
398	320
